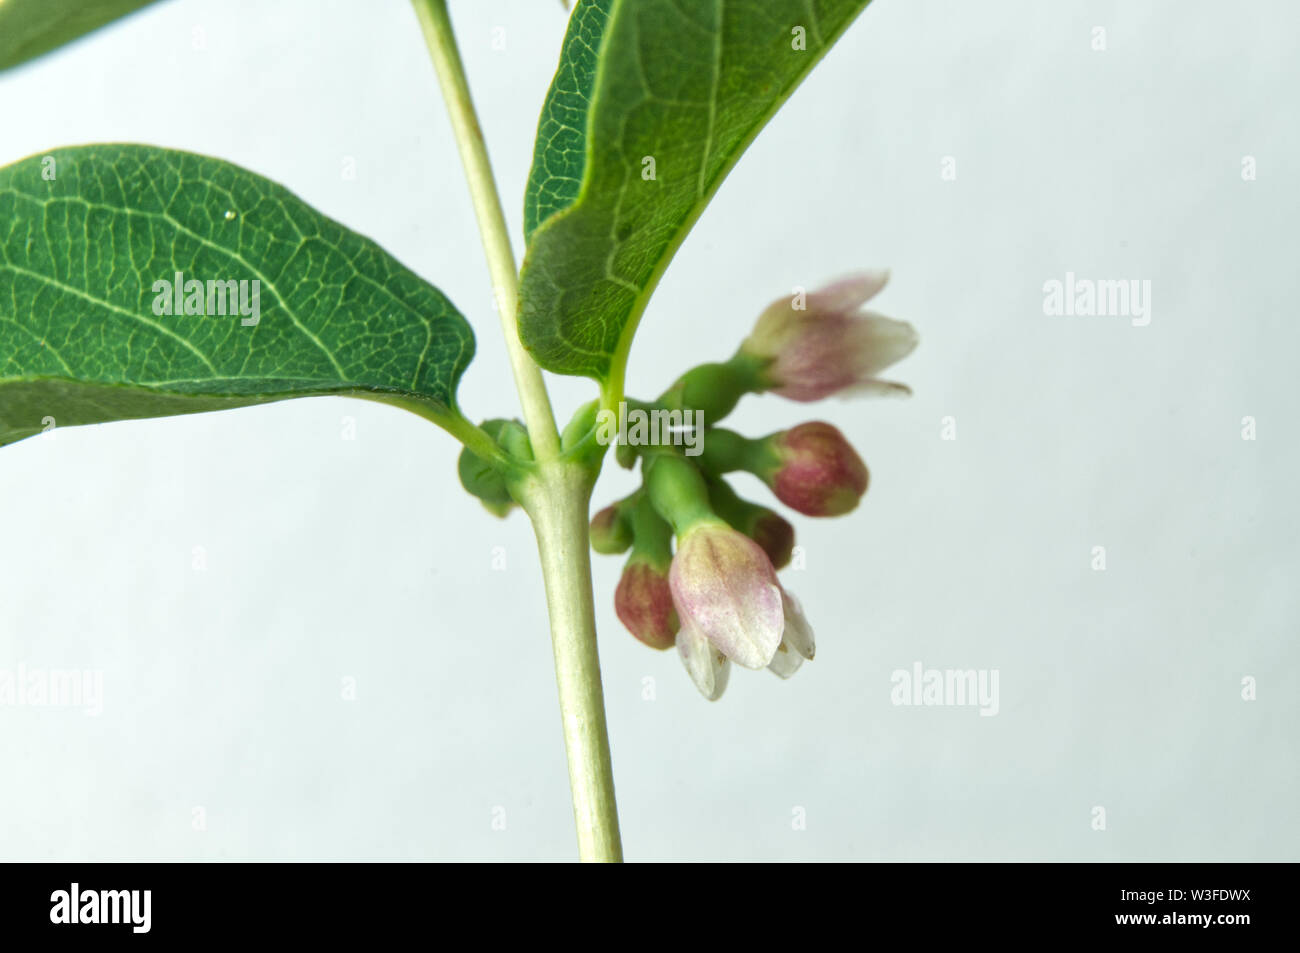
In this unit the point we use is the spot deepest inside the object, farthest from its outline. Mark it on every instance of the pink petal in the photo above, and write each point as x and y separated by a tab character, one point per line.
878	341
849	293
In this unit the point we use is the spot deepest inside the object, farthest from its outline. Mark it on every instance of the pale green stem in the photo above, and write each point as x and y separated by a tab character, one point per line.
556	494
558	510
441	41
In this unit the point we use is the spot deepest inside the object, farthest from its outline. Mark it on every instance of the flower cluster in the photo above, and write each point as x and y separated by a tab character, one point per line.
701	574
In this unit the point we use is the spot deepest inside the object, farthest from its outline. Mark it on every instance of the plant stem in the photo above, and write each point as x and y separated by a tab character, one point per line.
441	41
558	509
556	494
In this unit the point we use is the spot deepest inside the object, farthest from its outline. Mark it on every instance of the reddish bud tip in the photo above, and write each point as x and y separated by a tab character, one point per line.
644	603
820	474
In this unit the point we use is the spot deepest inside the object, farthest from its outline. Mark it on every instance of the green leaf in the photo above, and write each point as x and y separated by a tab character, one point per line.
687	83
29	28
91	240
561	132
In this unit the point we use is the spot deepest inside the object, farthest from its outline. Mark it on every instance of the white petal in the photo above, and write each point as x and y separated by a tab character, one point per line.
876	388
707	666
880	341
786	661
798	634
849	293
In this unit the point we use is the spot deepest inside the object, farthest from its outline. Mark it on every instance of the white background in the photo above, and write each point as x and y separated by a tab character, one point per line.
330	559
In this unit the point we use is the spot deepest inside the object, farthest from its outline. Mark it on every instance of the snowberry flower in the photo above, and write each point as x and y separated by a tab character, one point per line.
796	639
725	589
707	667
644	603
817	472
829	346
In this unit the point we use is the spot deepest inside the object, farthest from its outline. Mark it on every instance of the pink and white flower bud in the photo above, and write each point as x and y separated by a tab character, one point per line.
708	668
830	346
818	472
796	640
644	603
725	589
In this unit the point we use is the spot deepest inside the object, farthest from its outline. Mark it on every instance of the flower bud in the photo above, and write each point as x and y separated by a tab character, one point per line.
818	473
829	346
610	532
775	535
481	477
725	589
644	603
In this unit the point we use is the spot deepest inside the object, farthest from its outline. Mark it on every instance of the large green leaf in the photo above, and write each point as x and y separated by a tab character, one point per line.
29	28
687	83
85	235
562	130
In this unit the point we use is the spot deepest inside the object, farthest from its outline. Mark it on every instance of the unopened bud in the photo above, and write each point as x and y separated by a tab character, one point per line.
644	603
725	589
610	531
818	472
